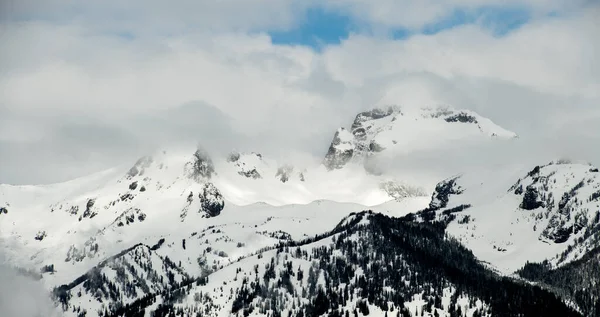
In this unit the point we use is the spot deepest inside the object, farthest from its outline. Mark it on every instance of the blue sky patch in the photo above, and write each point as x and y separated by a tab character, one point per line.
318	28
504	20
321	27
500	20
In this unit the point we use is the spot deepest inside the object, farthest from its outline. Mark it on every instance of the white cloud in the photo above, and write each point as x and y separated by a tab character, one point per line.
58	79
416	14
553	56
181	16
21	295
152	17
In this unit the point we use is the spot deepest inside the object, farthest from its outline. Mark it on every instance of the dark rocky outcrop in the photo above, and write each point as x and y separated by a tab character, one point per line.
201	167
462	118
40	235
253	173
88	209
531	199
211	200
443	191
133	185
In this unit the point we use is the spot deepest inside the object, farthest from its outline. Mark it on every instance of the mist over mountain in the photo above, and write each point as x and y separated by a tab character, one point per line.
299	158
163	235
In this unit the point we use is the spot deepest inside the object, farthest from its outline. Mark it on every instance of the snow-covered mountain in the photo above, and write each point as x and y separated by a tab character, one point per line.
396	130
222	236
365	265
151	223
509	217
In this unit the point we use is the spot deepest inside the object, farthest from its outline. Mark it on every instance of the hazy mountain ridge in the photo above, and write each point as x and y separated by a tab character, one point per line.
395	129
145	235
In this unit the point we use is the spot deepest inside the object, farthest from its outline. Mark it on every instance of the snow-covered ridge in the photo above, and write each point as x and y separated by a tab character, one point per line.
177	215
80	222
397	130
510	217
254	165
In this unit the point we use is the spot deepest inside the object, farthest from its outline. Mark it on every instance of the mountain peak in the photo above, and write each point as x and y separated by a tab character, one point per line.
396	130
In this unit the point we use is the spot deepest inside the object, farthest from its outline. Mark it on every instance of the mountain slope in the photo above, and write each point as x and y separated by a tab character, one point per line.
397	131
509	217
368	264
72	231
219	236
578	281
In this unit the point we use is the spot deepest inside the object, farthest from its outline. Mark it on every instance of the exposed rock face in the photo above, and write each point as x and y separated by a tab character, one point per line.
399	191
133	185
341	150
578	187
531	199
201	167
250	165
374	114
358	142
284	173
461	117
140	166
443	191
3	210
394	128
211	200
88	209
40	235
253	173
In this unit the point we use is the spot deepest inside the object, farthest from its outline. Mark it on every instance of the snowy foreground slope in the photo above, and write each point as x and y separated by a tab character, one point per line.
186	231
368	264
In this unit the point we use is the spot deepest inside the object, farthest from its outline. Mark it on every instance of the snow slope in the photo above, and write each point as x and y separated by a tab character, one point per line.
176	216
392	131
511	216
213	210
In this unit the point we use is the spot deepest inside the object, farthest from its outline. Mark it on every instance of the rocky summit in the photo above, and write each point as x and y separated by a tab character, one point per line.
392	130
190	233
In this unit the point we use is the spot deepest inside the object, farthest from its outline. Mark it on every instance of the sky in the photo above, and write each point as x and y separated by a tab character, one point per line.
86	85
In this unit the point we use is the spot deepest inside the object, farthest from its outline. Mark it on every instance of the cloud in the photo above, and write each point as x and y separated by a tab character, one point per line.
552	56
423	14
155	17
22	295
85	92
